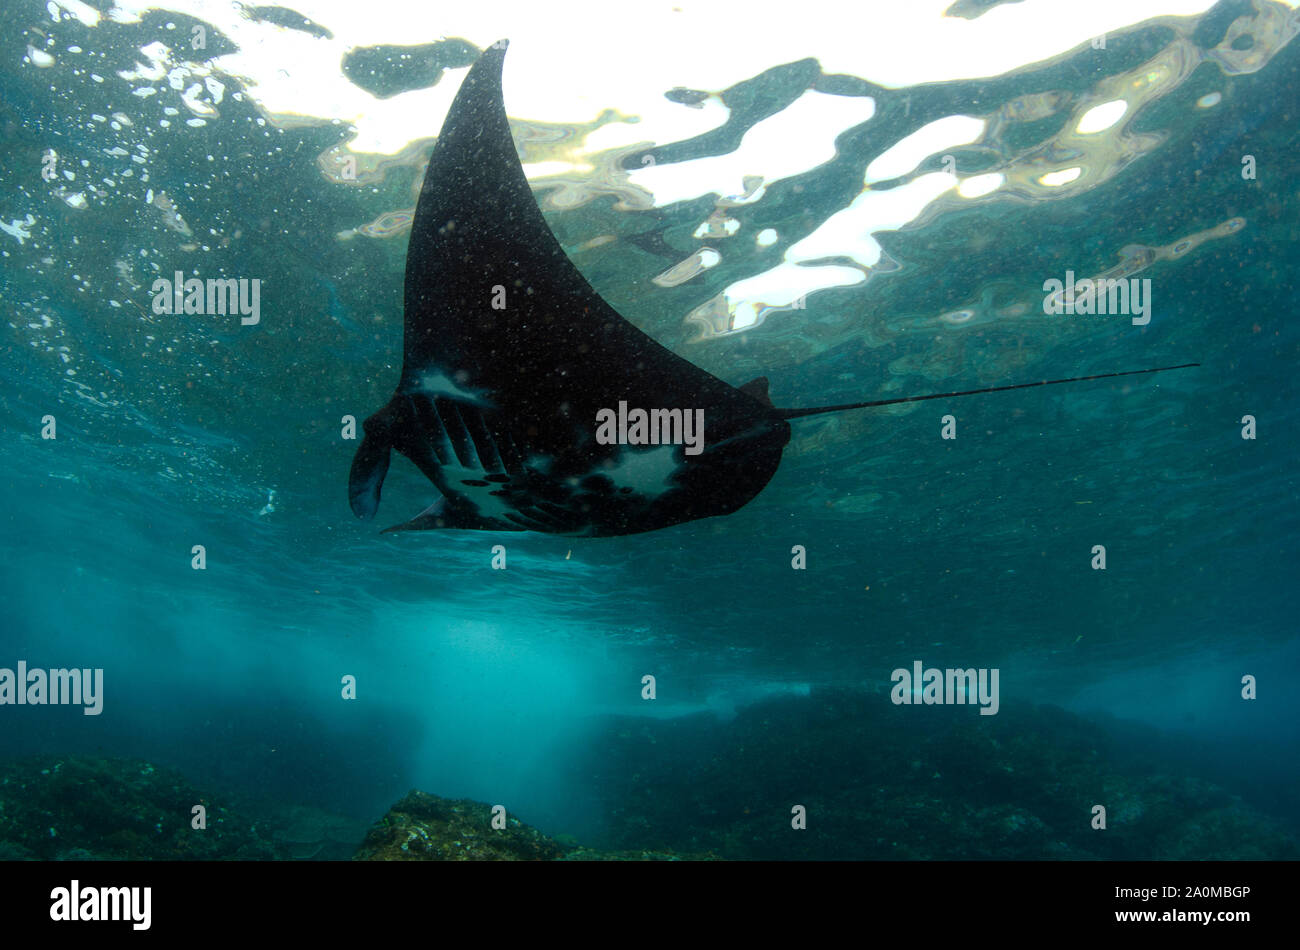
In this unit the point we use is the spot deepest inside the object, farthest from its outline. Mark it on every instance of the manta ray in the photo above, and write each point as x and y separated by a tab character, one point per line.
515	371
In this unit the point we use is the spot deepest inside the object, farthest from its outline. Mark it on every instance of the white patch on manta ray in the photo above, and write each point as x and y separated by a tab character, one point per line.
439	384
646	471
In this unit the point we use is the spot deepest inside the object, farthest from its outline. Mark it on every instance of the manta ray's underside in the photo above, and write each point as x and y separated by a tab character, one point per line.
525	416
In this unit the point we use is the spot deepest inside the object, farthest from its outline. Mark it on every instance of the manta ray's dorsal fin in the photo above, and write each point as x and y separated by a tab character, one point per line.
798	413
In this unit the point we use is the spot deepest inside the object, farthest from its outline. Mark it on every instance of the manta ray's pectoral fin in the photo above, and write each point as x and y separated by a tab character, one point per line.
370	464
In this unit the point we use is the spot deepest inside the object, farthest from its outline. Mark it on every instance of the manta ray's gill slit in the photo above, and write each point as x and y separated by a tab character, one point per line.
431	424
546	517
449	413
557	512
526	522
482	438
511	461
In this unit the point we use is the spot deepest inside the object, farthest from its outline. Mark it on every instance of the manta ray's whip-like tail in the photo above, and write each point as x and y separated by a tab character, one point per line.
797	413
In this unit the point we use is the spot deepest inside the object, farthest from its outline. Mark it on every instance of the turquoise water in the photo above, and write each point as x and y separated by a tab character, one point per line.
525	685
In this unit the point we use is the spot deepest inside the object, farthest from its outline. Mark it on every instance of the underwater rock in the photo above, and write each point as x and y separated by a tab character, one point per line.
82	808
423	827
880	781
